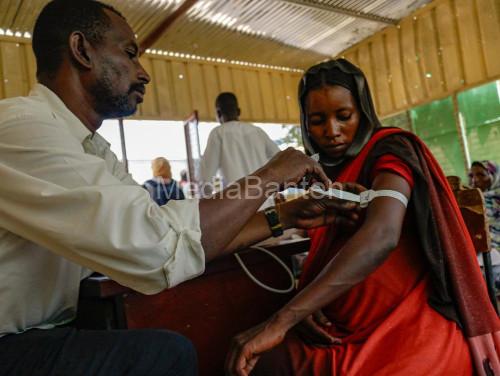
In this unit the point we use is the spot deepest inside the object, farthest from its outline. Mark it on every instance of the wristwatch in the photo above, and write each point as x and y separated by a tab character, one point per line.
273	221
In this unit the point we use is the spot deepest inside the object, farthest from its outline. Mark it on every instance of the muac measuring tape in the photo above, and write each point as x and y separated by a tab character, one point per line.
364	198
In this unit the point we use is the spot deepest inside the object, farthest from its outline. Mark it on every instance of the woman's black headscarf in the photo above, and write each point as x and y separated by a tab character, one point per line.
339	72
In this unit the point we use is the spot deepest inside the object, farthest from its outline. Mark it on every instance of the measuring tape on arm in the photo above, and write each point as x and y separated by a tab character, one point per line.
364	198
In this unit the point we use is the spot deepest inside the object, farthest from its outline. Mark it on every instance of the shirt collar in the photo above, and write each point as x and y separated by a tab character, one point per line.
60	111
230	122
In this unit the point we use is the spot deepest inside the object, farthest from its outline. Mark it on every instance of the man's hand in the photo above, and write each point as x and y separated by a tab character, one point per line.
290	166
311	210
313	330
247	347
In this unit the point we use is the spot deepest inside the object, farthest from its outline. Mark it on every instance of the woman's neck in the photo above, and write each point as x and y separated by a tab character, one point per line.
333	171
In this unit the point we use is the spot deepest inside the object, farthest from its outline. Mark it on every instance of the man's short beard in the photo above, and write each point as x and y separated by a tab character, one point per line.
107	104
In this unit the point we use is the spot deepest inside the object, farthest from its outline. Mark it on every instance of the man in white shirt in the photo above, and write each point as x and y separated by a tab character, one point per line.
67	206
234	148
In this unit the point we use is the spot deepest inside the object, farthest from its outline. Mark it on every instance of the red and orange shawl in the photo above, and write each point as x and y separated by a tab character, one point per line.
458	289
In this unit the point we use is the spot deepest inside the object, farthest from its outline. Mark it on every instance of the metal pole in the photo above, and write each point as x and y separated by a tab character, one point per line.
462	133
410	121
122	140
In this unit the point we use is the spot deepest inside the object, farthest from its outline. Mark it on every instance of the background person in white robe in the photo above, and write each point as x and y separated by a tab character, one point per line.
234	148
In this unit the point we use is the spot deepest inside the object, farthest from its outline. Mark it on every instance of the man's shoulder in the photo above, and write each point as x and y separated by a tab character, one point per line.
29	108
252	128
30	121
248	125
242	126
217	128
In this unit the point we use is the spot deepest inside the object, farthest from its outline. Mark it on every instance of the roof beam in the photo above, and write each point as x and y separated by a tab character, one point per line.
156	34
343	10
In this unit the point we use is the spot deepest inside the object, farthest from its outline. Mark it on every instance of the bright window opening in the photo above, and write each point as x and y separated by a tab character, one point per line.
147	139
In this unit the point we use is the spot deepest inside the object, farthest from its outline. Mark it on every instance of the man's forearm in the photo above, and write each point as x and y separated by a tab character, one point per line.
223	215
254	231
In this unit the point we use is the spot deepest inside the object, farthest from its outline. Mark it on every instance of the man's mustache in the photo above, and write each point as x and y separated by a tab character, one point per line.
138	87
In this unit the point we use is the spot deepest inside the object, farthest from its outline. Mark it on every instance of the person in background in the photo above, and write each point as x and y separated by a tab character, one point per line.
162	187
401	294
234	148
184	184
485	175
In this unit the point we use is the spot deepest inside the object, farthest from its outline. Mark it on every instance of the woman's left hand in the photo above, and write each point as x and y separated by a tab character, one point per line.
313	330
247	347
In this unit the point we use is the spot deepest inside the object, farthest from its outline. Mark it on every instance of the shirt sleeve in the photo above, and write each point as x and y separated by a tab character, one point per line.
395	165
55	195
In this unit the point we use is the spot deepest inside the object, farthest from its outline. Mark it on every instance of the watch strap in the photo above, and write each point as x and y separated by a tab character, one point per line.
273	220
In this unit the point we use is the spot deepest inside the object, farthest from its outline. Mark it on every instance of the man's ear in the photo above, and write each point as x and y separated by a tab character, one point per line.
80	49
239	112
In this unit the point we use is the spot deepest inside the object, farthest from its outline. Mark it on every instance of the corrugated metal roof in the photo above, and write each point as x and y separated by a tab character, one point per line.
293	33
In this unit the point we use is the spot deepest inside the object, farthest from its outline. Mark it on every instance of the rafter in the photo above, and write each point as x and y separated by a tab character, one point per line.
156	34
343	10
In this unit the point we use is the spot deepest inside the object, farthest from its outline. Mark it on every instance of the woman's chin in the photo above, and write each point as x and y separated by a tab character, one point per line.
335	151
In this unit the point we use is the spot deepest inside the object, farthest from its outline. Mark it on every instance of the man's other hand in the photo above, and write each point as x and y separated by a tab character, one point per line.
290	166
313	210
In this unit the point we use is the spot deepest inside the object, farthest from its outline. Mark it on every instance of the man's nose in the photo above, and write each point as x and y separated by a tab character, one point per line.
142	75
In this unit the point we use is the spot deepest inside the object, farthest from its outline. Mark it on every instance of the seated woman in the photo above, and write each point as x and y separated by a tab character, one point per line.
162	187
485	175
402	294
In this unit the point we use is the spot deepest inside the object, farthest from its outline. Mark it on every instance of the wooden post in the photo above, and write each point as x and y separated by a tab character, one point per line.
156	34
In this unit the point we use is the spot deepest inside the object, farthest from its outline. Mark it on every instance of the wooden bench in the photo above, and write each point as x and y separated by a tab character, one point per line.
471	203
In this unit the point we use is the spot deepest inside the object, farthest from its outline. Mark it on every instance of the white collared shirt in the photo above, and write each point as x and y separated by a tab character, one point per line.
67	206
236	149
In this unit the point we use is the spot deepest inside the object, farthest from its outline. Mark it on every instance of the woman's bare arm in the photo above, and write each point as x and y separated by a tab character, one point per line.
368	248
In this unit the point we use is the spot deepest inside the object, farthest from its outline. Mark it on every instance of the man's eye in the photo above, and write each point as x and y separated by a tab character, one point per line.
344	117
131	54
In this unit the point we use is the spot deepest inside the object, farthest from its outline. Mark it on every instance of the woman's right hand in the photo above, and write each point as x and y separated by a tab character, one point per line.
313	330
247	347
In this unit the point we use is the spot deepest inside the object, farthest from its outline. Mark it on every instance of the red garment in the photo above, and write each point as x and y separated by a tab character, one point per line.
386	324
391	163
